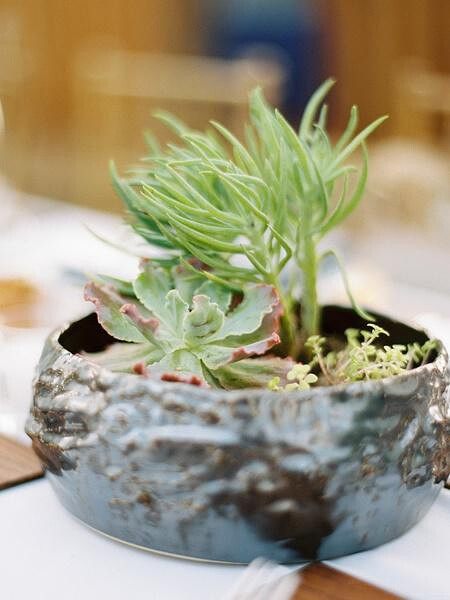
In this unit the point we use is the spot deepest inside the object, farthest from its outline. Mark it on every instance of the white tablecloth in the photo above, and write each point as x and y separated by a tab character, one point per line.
45	554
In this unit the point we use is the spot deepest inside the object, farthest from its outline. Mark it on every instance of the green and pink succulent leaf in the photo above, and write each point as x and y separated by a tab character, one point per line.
216	332
216	293
187	280
108	305
254	372
189	341
125	357
151	288
202	322
259	300
178	366
147	326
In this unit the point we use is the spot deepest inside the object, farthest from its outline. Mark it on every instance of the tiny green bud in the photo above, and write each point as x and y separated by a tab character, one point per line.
274	384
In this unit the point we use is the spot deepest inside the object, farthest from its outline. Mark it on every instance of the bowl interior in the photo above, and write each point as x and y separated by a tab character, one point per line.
86	335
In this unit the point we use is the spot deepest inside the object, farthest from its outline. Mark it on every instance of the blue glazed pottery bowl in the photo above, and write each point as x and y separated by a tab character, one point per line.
232	475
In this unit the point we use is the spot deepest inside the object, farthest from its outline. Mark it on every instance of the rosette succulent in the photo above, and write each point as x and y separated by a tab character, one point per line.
180	327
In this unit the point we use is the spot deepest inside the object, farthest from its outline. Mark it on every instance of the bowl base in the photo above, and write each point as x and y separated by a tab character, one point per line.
160	552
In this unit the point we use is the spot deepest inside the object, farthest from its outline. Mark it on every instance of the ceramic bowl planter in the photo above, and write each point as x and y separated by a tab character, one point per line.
229	476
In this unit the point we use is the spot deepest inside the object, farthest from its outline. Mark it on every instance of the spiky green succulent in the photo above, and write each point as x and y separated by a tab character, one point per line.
254	211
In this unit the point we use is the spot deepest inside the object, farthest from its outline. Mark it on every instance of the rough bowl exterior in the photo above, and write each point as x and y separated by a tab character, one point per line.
230	476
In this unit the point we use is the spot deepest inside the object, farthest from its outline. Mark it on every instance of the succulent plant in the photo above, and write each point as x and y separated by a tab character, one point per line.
188	329
252	212
237	226
364	358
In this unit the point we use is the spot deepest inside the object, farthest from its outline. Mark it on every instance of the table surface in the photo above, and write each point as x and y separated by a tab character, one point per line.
18	463
45	554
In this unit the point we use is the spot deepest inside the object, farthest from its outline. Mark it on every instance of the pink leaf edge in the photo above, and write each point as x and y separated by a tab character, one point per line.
140	368
131	311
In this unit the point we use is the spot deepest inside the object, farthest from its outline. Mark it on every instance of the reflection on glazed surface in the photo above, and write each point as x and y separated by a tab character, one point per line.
235	475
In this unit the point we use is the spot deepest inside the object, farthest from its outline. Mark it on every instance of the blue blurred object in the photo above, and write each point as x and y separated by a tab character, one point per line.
287	30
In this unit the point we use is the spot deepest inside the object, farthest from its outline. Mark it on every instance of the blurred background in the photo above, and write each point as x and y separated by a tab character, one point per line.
78	80
78	83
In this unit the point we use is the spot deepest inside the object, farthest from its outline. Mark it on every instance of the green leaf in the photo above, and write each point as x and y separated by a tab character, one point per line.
348	150
187	279
217	293
294	142
214	355
151	288
221	281
152	143
312	107
108	306
337	212
124	288
349	131
259	300
253	372
172	122
180	366
147	325
203	227
177	309
321	123
202	322
362	313
250	329
244	201
125	357
163	200
204	145
208	241
345	208
117	246
131	199
152	238
240	151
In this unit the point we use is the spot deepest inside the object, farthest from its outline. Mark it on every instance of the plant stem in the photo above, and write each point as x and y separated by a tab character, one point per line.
287	321
323	368
310	312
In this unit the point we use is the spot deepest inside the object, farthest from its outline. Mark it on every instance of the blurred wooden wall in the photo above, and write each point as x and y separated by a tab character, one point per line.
39	40
48	34
367	42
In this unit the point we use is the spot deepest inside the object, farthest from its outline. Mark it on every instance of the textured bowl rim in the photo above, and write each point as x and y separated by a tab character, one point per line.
440	362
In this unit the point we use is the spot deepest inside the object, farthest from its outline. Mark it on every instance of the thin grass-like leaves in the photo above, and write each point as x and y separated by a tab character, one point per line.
266	202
